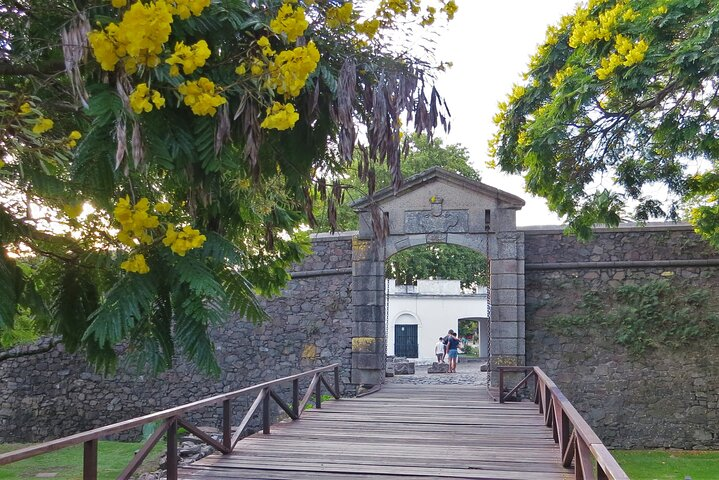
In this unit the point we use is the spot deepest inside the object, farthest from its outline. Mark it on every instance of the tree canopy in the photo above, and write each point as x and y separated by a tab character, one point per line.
437	261
620	99
158	156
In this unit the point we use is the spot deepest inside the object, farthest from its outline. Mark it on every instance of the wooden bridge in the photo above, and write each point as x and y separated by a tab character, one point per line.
401	432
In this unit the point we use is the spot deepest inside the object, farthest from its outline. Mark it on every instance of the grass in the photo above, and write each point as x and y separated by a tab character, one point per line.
668	464
112	458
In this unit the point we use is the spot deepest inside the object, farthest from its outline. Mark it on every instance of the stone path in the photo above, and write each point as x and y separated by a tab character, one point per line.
467	374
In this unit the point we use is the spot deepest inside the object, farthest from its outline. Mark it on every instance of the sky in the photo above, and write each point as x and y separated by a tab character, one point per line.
490	43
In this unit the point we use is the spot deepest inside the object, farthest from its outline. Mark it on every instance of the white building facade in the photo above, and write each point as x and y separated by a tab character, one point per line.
418	315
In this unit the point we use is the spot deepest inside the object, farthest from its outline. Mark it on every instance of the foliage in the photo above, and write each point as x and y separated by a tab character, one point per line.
619	100
470	351
438	261
422	153
668	464
157	157
113	457
646	316
468	328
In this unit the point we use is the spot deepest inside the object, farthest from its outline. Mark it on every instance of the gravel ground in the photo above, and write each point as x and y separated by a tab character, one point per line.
467	374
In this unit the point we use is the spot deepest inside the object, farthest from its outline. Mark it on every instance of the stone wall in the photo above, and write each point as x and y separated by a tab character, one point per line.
53	394
663	398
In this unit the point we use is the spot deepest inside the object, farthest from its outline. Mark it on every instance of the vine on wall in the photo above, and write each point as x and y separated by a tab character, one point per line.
647	315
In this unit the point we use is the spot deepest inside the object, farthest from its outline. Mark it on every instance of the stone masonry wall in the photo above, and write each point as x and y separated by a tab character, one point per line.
663	398
53	394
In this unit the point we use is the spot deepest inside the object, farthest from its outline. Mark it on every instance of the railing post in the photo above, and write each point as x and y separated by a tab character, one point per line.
501	385
318	391
172	450
266	412
227	424
564	435
89	460
296	397
547	404
337	381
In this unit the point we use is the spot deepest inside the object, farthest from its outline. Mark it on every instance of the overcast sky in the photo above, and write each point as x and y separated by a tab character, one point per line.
489	43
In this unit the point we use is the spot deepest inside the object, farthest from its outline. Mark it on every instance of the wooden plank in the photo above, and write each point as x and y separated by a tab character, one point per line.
401	432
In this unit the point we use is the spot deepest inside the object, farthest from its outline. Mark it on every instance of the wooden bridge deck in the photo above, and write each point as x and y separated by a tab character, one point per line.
401	432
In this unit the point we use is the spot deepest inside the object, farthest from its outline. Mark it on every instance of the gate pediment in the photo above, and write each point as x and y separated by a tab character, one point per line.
439	202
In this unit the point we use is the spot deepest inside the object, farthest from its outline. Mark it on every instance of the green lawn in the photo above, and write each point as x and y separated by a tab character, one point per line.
113	457
668	464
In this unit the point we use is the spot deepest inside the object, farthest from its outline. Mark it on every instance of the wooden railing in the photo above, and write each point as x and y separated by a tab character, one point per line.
577	441
173	418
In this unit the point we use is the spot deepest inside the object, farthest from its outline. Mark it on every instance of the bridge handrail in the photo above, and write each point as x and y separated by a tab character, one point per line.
173	417
577	441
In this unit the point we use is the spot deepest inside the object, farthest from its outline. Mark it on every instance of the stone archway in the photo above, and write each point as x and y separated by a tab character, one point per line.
437	206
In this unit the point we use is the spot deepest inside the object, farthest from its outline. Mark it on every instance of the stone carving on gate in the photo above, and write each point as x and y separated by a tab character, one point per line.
436	220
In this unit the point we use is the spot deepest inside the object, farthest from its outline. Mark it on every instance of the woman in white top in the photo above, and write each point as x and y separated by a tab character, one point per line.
439	350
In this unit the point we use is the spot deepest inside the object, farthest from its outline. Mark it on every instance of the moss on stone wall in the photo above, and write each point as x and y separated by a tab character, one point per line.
665	312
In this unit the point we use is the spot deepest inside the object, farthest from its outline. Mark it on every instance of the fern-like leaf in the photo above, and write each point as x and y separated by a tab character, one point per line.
240	296
8	292
193	272
193	316
125	305
75	298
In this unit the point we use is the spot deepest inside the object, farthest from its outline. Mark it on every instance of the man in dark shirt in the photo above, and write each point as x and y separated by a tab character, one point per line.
452	353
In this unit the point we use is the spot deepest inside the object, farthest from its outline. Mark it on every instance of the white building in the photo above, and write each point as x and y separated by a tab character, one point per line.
418	315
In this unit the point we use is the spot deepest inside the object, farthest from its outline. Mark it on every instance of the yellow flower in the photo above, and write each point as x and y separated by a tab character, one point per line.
163	207
134	221
2	164
42	125
73	138
157	99
561	76
257	67
517	93
25	108
119	3
241	69
338	16
280	117
190	57
138	38
264	43
289	71
636	54
141	97
185	8
660	10
184	240
290	21
368	28
136	264
450	8
200	96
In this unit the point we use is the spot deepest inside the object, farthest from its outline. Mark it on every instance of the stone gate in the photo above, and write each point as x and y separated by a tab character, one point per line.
437	206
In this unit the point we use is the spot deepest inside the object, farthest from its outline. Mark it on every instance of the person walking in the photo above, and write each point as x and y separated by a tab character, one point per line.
452	353
439	350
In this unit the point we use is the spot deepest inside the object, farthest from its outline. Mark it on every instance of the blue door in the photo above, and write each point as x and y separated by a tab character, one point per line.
405	341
